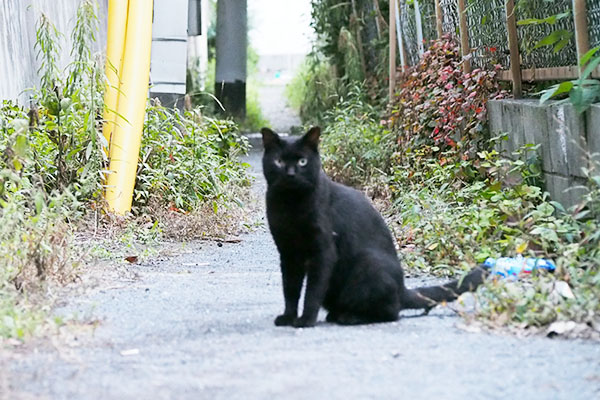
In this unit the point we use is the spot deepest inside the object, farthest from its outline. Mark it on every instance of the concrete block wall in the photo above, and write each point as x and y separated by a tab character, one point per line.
566	139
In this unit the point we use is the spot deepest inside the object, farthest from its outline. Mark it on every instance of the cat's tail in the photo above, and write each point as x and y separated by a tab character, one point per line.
428	297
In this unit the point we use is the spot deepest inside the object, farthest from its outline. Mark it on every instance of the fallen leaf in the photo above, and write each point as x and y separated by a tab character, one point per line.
131	259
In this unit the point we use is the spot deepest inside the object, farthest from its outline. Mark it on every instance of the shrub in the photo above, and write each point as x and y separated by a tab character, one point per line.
187	160
314	90
53	161
356	149
438	107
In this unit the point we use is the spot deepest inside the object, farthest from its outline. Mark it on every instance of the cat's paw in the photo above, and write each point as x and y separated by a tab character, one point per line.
305	322
285	320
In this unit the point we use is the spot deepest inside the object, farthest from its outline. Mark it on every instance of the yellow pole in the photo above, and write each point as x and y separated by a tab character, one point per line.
115	44
127	134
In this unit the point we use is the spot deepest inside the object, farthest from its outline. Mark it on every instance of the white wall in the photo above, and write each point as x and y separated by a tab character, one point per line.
18	19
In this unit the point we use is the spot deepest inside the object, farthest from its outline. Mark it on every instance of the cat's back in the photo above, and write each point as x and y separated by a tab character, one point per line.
355	218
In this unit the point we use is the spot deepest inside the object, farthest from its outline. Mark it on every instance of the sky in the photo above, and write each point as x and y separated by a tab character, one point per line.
279	26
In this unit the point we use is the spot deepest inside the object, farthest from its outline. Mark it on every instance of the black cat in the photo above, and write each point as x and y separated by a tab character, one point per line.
330	234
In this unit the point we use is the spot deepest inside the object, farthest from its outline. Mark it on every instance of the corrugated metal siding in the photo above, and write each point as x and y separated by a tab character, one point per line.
18	18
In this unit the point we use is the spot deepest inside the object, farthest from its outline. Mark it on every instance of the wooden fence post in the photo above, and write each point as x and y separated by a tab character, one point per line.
582	37
513	46
439	19
464	36
392	54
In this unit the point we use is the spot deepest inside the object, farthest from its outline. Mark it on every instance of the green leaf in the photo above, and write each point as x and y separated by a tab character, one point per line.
589	68
582	97
555	38
587	56
17	164
21	146
88	151
39	203
556	90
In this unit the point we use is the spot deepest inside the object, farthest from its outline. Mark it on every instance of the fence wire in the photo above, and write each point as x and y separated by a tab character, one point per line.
530	35
486	20
593	19
488	33
450	20
428	20
409	33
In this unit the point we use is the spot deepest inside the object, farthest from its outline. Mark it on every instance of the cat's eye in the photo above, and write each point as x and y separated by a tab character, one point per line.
279	163
302	162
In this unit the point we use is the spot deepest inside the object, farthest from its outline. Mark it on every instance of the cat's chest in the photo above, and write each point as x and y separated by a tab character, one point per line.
297	229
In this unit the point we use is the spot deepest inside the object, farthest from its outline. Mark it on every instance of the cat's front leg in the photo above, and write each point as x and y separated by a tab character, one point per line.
292	275
318	275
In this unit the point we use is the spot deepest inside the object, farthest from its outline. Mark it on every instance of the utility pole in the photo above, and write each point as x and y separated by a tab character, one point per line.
231	44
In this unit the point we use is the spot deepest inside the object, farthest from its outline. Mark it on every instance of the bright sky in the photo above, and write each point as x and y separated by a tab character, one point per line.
280	26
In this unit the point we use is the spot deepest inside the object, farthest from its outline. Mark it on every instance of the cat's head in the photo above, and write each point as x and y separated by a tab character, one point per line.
292	164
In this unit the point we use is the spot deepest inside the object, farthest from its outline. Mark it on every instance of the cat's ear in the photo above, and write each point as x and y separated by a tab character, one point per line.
270	138
311	138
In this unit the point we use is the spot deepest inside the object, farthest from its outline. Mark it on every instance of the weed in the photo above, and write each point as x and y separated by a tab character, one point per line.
52	165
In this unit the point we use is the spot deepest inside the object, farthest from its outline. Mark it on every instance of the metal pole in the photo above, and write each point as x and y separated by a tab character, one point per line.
401	48
392	49
419	26
513	46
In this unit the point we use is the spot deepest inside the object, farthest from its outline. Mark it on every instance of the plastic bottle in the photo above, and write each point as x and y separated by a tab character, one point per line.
513	266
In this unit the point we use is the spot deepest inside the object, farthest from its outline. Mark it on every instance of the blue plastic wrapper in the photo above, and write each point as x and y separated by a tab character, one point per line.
514	266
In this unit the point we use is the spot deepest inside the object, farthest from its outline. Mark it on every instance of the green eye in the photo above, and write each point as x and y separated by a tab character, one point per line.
279	163
302	162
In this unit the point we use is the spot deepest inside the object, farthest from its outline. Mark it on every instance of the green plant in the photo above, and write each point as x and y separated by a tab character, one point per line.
439	107
450	215
315	89
581	92
51	174
51	165
66	146
187	160
356	148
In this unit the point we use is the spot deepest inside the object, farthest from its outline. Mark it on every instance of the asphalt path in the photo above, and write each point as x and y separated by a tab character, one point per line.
200	326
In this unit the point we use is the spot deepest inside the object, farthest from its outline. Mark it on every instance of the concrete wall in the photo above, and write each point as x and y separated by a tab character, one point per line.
566	140
18	19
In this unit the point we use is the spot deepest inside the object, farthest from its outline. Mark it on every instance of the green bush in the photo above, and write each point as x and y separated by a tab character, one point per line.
187	160
314	90
54	160
356	149
450	212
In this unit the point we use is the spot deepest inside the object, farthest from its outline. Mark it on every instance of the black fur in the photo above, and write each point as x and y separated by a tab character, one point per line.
331	235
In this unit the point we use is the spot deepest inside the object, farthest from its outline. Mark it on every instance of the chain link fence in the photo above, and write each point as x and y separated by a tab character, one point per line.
487	31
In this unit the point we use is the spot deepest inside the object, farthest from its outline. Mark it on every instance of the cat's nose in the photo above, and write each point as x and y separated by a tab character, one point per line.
291	171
